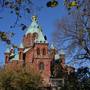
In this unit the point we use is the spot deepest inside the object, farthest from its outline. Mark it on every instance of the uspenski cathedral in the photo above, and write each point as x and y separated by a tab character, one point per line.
35	50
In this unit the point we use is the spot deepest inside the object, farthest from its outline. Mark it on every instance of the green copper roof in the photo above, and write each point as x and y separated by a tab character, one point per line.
52	46
35	28
21	45
7	50
40	37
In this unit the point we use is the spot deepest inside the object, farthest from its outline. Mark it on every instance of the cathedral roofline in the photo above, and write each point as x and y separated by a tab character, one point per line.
36	28
41	43
52	46
21	45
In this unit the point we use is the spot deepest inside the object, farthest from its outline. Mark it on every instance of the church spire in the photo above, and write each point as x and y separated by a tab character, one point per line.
34	27
52	46
21	45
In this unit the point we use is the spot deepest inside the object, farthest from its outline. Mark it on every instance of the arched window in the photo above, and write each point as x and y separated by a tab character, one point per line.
35	35
6	61
44	51
38	51
41	66
6	57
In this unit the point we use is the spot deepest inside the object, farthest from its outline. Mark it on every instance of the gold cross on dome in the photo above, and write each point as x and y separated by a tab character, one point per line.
34	18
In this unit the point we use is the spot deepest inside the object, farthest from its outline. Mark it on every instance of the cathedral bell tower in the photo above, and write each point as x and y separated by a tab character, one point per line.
31	33
52	51
36	49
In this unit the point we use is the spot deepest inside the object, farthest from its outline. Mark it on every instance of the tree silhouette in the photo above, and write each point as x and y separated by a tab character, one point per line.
22	78
75	30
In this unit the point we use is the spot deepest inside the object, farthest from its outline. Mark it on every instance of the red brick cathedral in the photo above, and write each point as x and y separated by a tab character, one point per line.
35	50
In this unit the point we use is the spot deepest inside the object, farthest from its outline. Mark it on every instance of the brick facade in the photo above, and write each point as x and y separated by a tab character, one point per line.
34	50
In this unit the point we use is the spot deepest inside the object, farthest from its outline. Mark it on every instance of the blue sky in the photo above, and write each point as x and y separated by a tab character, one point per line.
47	18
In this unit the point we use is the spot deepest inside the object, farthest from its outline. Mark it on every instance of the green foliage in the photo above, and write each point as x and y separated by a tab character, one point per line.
52	3
79	80
70	4
56	69
19	80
